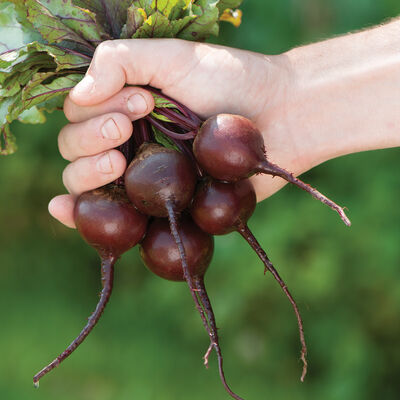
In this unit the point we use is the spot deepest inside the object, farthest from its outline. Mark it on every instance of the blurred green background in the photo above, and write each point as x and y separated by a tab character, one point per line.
150	341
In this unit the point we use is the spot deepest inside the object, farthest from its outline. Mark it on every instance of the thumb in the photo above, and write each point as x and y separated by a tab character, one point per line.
131	61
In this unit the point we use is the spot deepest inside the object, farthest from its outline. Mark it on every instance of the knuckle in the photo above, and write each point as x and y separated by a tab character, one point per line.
104	49
66	178
68	109
62	145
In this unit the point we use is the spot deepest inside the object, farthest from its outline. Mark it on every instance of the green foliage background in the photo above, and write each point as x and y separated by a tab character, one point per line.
150	341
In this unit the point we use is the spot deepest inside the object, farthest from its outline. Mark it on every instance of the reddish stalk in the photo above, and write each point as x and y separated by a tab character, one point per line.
269	168
182	108
206	304
186	273
107	278
177	118
252	241
173	135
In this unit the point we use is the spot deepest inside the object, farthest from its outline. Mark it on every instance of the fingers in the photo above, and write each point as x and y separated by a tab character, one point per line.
132	101
62	209
135	62
87	173
94	136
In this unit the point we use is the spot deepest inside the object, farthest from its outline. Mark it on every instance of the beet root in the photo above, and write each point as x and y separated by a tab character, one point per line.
161	255
231	148
110	223
219	208
161	183
158	175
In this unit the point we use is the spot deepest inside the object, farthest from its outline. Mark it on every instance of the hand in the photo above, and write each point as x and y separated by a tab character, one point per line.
208	79
311	104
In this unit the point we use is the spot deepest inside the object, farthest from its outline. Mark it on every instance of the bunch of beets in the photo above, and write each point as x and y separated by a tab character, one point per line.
172	200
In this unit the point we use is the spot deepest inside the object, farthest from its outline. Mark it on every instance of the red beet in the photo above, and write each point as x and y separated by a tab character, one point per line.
162	256
219	208
231	148
160	182
159	176
110	223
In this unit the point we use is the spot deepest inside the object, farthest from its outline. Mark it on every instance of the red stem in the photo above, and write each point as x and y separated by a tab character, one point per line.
186	273
107	278
202	293
182	108
159	125
272	169
244	230
177	118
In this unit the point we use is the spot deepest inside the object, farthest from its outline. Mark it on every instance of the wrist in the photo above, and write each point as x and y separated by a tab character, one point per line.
342	95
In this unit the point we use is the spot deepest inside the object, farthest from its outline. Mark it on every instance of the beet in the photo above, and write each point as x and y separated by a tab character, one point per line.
231	148
160	182
161	255
159	176
109	222
219	208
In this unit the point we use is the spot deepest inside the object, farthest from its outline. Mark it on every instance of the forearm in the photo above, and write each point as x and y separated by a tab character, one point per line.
342	95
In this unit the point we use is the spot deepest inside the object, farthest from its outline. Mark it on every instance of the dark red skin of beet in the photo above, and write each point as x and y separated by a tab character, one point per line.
160	252
229	147
158	175
219	208
108	221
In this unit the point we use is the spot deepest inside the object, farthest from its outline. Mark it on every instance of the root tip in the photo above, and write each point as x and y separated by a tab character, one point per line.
36	384
305	366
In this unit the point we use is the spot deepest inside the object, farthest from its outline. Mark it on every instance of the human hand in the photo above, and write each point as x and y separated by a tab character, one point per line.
311	104
208	79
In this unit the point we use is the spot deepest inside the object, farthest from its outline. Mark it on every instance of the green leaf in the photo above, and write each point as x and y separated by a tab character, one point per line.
36	94
7	141
110	14
180	10
32	116
164	6
145	5
10	86
81	21
161	102
156	25
135	19
164	140
181	24
205	24
160	117
15	30
50	26
39	55
224	4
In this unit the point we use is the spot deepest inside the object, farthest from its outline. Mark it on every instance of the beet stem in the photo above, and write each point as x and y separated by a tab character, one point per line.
206	303
186	273
269	168
182	108
107	277
168	132
244	230
144	130
177	118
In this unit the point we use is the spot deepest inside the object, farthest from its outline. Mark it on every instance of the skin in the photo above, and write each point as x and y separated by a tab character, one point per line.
312	103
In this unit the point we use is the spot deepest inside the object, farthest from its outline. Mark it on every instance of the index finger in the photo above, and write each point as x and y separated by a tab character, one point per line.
129	61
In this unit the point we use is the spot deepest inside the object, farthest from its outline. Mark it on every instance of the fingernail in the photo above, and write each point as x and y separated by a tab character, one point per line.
104	164
110	130
137	104
84	86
